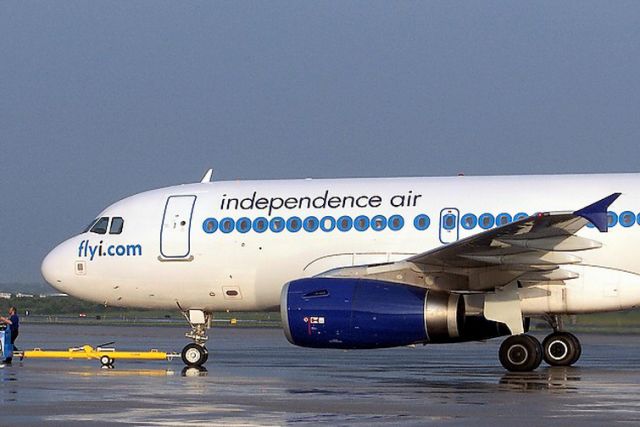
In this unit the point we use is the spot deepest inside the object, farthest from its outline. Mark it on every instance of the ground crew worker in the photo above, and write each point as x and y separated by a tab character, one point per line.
14	325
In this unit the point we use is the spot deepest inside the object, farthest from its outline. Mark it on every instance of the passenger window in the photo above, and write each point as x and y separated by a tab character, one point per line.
260	225
449	222
116	225
101	225
277	224
469	221
486	221
243	225
227	224
294	224
378	222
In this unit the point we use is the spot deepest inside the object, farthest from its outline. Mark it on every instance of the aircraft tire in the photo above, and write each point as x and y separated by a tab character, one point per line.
578	348
194	355
561	349
106	360
520	353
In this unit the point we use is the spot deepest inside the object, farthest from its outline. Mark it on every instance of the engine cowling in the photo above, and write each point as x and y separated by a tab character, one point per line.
363	313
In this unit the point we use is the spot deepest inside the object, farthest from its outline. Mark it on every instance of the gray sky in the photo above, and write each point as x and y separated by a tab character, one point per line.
100	100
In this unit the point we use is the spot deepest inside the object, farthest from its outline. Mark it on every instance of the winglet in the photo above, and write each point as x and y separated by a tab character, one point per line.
596	213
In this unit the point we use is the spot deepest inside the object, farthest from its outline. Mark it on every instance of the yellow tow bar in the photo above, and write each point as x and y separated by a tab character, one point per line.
106	356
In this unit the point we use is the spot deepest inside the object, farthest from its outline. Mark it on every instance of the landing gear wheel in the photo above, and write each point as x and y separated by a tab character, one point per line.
194	355
578	348
106	360
561	349
520	353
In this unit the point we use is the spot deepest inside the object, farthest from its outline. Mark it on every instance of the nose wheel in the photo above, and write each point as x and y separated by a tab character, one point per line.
106	362
194	355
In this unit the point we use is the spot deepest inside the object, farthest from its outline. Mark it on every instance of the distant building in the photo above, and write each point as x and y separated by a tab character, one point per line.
52	295
21	295
5	295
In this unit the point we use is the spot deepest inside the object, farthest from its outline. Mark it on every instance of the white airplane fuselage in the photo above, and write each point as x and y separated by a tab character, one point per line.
179	248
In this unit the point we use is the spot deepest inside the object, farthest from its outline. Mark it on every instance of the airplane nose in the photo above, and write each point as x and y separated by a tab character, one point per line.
51	268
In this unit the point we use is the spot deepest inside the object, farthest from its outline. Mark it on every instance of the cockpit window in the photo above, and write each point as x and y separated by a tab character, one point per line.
88	227
116	225
100	227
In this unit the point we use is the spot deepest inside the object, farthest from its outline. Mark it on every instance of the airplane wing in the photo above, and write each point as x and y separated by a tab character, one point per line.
530	249
496	262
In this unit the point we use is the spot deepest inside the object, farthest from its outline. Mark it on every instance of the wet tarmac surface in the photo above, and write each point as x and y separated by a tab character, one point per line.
255	377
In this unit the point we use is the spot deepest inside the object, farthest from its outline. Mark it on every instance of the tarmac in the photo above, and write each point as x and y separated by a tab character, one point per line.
255	377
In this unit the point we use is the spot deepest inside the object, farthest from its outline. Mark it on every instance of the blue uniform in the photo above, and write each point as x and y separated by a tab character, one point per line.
15	325
9	336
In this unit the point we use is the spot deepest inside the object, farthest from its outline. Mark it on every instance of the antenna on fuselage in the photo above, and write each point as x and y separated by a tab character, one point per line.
207	176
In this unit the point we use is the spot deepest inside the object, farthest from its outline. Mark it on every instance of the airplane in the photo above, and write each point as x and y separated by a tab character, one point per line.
365	263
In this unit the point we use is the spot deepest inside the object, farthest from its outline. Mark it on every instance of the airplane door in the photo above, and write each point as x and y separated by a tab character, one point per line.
449	225
175	240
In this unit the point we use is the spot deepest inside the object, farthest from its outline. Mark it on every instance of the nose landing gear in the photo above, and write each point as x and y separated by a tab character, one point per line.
195	354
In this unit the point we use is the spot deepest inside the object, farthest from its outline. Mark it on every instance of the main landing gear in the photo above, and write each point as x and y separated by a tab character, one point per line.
195	354
522	353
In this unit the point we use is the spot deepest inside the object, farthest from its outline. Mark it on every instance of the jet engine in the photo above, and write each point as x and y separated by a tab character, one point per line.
363	313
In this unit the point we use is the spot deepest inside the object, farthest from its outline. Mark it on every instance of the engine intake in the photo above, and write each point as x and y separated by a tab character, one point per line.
363	313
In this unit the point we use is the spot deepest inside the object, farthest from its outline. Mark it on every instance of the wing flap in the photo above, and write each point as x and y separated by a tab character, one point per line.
562	243
526	258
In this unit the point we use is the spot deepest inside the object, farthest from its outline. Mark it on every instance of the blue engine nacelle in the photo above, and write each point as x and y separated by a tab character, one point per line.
363	313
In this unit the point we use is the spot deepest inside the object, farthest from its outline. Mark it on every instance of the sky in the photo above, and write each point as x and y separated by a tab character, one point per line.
101	100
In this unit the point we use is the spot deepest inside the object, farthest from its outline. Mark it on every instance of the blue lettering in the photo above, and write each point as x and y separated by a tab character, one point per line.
134	250
92	251
86	250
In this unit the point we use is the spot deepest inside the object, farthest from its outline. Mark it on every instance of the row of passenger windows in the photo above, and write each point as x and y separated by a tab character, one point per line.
486	221
308	224
421	222
101	225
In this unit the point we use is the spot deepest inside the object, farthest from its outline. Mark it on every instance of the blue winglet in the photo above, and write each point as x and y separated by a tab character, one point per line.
596	213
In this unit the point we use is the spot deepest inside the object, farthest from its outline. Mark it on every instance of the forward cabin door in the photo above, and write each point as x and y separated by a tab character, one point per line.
175	235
